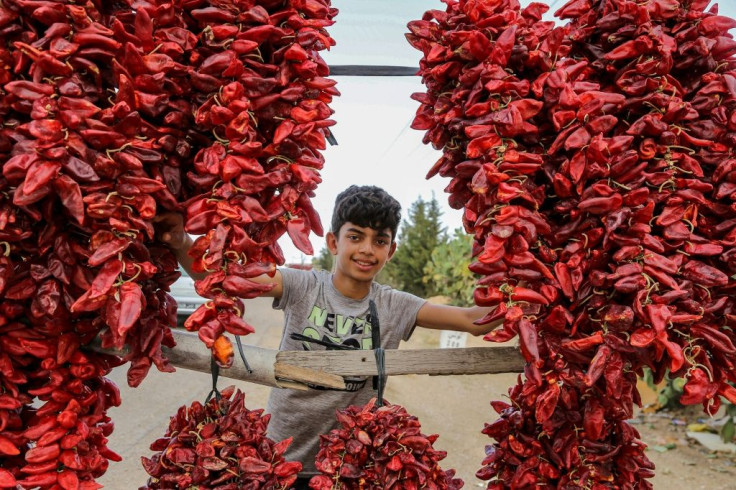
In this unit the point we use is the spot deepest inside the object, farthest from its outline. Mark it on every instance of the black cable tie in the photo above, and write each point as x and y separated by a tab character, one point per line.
215	369
242	355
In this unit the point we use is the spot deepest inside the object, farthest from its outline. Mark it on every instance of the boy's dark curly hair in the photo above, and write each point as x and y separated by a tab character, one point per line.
367	206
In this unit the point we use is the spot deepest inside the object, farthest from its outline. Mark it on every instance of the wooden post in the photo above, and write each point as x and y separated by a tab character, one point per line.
300	369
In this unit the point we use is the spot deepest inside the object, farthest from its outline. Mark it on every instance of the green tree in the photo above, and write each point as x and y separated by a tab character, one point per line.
324	260
420	234
447	271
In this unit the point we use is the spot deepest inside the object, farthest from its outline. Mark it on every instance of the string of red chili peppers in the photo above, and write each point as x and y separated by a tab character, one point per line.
592	161
103	147
77	234
248	104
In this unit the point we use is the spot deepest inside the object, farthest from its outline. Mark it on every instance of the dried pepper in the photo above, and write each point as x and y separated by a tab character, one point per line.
112	113
220	444
380	448
61	202
592	162
246	99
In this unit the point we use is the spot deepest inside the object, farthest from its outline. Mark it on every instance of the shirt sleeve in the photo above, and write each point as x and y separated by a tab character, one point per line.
294	285
407	306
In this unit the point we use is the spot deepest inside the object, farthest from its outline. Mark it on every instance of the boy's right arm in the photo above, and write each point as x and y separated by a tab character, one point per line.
170	230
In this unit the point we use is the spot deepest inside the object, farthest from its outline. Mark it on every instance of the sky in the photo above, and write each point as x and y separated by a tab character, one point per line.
376	145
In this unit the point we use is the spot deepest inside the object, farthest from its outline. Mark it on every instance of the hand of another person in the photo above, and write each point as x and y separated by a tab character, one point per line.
170	230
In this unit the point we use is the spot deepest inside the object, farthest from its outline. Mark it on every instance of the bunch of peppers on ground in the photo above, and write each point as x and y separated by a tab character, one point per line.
112	112
380	447
594	162
208	444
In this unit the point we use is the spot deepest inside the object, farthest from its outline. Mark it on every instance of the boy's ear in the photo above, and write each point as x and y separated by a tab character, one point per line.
331	241
391	251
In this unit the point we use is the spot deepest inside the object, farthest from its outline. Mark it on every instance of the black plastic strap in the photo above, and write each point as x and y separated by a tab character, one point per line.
215	369
242	355
304	338
379	382
375	324
381	367
372	71
330	137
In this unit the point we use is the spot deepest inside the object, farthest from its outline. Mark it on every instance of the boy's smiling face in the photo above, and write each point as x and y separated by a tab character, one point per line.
361	252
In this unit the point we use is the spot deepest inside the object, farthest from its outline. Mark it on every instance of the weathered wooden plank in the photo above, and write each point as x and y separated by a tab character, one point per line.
300	374
297	369
473	360
191	353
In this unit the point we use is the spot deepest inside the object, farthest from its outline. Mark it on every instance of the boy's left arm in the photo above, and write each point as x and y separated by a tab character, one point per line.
445	317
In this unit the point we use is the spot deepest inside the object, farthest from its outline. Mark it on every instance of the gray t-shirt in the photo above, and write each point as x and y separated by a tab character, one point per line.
315	309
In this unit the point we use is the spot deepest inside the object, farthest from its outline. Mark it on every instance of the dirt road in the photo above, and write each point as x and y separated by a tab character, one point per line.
455	407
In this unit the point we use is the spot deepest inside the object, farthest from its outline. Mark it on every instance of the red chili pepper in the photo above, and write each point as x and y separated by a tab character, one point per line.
40	480
44	61
521	294
41	454
597	365
546	402
583	344
132	303
298	230
71	197
728	392
703	274
107	250
528	340
716	338
601	205
49	437
662	277
7	480
68	480
234	324
7	447
244	288
101	285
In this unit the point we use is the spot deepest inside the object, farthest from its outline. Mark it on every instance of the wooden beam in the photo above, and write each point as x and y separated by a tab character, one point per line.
473	360
299	374
305	369
190	353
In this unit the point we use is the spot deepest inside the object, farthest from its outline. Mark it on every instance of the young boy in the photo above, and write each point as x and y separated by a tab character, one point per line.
333	308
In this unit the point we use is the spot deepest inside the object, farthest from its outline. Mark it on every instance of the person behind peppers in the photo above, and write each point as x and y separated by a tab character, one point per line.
325	309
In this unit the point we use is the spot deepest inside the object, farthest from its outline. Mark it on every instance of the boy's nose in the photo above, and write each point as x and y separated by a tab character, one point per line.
366	247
